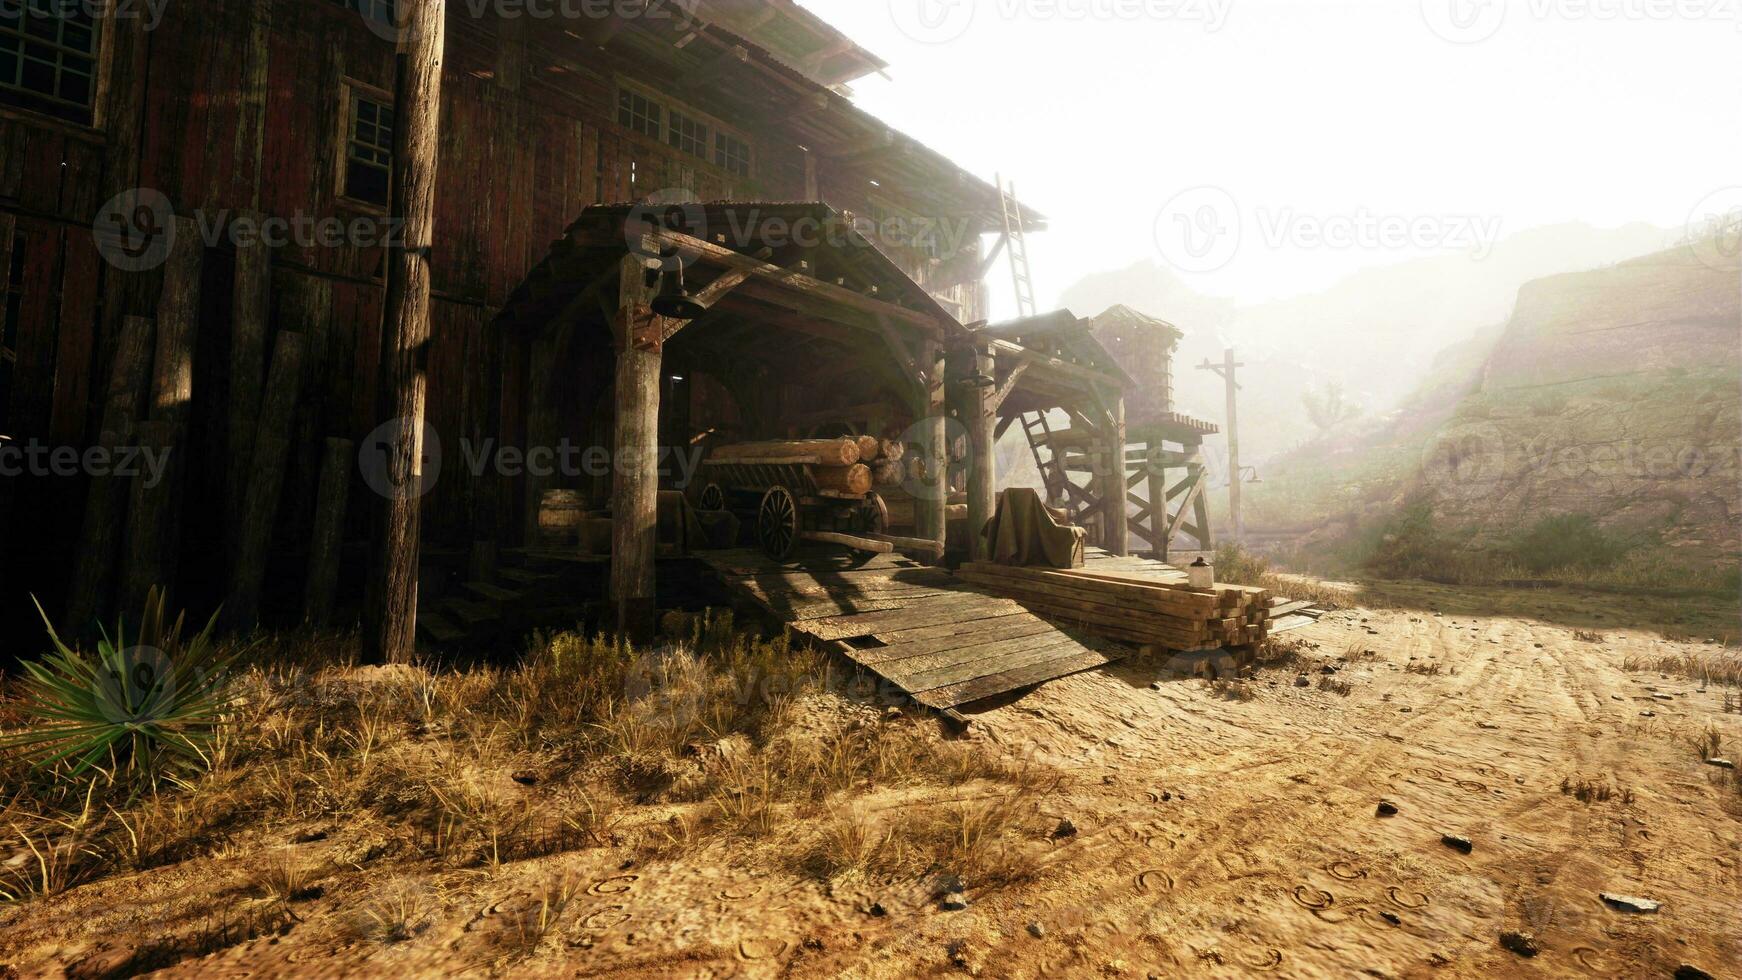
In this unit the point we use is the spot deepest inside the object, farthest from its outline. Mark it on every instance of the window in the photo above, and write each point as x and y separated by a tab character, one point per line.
688	135
732	154
380	11
48	57
369	150
640	113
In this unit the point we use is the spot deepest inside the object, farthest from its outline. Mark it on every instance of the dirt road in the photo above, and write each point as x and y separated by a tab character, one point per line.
1221	836
1214	829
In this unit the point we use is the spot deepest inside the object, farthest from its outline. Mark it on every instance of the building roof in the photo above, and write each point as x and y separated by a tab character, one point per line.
1121	320
713	60
798	37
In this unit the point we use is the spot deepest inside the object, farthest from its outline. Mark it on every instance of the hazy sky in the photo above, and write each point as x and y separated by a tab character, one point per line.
1233	138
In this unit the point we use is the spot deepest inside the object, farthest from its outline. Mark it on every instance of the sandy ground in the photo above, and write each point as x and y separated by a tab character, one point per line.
1215	836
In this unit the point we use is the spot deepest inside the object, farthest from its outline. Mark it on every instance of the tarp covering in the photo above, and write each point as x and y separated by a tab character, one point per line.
1023	532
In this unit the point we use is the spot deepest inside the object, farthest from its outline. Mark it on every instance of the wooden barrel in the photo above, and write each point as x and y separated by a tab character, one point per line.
560	512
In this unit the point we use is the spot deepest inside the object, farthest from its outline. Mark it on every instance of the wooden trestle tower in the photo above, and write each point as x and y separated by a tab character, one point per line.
1078	445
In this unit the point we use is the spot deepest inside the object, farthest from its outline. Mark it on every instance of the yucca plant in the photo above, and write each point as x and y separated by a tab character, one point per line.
142	710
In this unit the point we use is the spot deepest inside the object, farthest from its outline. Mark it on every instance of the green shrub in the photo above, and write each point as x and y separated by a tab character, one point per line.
1567	541
1236	565
1408	545
139	710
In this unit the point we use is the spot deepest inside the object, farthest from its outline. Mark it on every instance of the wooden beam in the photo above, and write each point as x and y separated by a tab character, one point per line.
251	312
390	633
271	442
1008	385
635	471
106	502
328	540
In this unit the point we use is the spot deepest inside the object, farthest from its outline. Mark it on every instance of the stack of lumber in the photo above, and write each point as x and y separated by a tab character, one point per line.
846	465
1143	610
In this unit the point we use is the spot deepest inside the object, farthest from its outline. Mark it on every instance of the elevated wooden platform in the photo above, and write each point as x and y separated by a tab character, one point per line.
940	640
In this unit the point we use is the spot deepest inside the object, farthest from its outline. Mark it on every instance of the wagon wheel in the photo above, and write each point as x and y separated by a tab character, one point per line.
713	498
870	517
777	523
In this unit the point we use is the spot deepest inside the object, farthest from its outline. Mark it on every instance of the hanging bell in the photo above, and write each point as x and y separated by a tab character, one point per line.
674	300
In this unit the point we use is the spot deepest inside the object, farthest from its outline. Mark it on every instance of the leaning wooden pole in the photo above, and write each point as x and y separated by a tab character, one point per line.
635	476
391	620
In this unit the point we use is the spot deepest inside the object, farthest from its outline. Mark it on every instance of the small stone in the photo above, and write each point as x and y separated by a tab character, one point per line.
1405	709
525	777
891	713
877	911
1627	903
1688	971
1386	808
1648	714
1328	669
1037	930
1490	726
1302	681
1155	685
1460	844
954	902
1721	763
1391	917
1064	829
1522	943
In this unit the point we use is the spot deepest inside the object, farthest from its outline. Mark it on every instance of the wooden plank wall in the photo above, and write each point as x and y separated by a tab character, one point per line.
235	106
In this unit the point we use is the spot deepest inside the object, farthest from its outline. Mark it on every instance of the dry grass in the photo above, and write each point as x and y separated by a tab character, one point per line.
1425	668
1708	743
1587	636
719	748
1599	790
1232	690
1723	669
1336	686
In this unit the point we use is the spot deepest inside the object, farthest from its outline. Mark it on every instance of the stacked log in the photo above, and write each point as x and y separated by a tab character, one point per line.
822	452
1133	609
855	479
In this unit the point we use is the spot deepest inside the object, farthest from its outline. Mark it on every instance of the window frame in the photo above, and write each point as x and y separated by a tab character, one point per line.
712	124
352	92
101	55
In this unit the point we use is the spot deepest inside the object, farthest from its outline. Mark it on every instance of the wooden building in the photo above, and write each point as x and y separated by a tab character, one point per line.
279	115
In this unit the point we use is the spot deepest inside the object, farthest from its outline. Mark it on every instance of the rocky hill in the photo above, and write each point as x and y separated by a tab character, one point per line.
1613	394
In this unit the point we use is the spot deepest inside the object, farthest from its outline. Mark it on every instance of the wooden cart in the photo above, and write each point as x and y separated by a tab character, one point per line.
789	507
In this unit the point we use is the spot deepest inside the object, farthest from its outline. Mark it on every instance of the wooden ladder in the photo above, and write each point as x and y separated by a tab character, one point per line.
1013	236
1050	462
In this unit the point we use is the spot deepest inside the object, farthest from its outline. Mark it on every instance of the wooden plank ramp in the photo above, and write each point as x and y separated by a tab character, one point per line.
943	641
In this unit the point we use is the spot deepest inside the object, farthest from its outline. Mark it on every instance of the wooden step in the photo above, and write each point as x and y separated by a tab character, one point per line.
492	593
520	576
472	613
439	628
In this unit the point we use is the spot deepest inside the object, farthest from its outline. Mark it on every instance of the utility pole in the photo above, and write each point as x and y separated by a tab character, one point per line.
1226	370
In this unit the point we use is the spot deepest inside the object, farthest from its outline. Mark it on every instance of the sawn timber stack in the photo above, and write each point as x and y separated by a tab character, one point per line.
1146	605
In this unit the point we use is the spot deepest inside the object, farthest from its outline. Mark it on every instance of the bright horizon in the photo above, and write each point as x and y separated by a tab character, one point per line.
1545	114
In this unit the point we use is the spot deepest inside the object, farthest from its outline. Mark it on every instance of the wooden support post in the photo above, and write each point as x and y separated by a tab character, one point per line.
976	411
1116	521
930	441
251	312
390	633
151	497
635	456
106	505
1152	461
327	544
154	511
265	482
